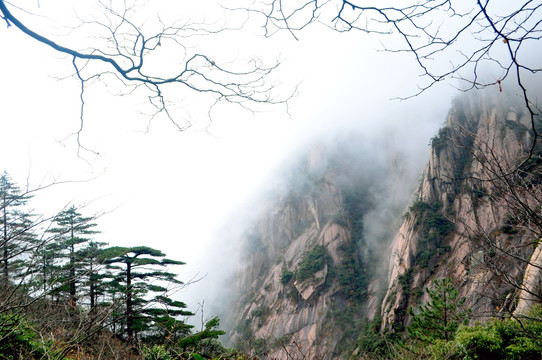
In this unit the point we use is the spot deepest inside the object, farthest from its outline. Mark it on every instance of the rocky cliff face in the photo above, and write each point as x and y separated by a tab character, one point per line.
316	258
311	257
466	222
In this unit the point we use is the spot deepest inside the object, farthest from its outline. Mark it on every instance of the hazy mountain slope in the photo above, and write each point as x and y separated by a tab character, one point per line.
340	242
464	223
313	253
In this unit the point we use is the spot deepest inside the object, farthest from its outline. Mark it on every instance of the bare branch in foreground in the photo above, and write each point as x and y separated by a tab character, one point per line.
147	57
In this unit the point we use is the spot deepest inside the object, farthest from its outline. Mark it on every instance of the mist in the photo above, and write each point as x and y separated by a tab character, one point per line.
387	147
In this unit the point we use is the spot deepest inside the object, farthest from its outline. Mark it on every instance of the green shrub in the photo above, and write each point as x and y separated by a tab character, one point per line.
405	281
261	311
433	227
353	272
18	340
509	339
313	262
259	346
480	342
524	349
441	141
286	276
372	342
294	295
157	352
497	339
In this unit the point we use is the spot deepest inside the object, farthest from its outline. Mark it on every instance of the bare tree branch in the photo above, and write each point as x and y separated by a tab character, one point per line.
480	43
131	52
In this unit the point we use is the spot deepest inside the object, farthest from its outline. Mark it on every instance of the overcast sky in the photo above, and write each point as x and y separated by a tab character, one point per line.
172	190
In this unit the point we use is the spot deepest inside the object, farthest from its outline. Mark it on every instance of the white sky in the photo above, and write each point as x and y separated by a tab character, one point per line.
173	190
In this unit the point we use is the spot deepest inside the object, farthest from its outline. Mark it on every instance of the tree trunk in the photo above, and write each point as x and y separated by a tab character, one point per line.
73	289
92	289
129	306
5	249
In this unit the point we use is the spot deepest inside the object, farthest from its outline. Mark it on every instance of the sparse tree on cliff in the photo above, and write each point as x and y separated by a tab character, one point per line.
441	316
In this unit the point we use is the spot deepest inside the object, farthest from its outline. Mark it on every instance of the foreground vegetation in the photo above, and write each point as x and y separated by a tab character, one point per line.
507	338
439	330
64	295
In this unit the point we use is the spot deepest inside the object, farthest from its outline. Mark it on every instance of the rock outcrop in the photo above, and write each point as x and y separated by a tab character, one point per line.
316	257
311	259
468	187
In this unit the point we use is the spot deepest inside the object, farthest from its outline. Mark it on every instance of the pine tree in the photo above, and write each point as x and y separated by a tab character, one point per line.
91	263
16	226
164	314
47	270
441	316
144	286
70	235
202	339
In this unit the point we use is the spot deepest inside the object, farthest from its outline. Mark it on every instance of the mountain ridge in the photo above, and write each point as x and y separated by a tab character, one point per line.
378	252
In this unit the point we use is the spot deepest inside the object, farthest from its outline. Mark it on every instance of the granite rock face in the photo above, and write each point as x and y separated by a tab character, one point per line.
289	308
379	247
485	138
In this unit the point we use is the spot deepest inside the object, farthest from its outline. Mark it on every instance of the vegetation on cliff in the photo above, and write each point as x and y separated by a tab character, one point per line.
312	262
476	220
439	331
433	228
321	214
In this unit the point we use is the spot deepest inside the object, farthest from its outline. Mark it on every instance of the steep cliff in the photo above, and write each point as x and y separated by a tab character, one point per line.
341	244
312	256
469	220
